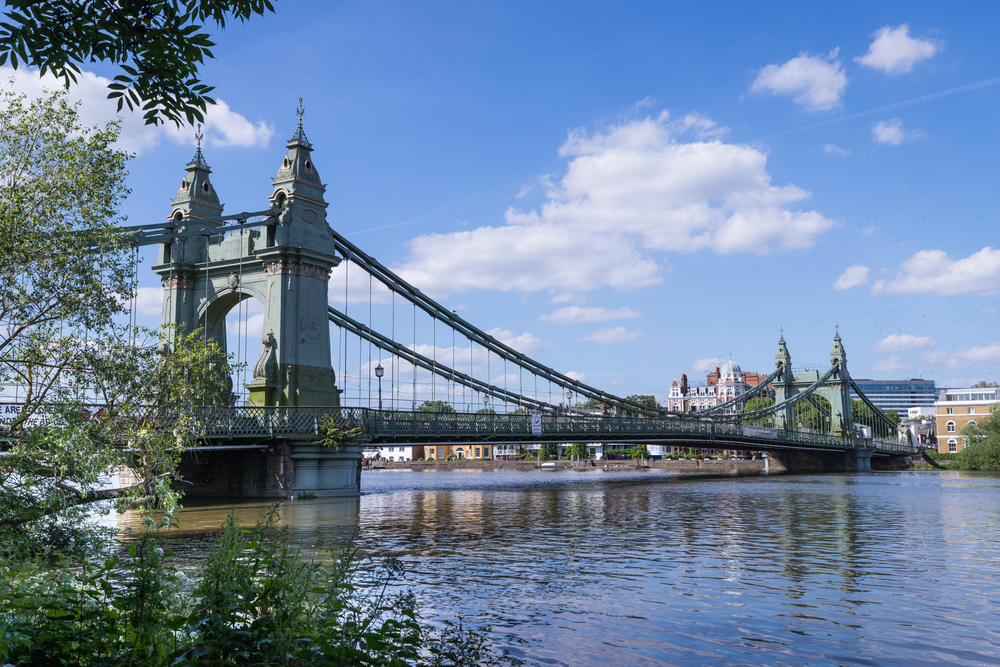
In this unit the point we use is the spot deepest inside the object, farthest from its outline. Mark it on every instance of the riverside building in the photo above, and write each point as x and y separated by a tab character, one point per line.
898	395
957	408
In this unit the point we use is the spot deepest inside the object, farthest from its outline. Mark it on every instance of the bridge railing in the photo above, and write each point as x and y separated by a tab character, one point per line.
387	426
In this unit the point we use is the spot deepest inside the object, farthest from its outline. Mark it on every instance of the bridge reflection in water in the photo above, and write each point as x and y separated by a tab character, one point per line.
594	568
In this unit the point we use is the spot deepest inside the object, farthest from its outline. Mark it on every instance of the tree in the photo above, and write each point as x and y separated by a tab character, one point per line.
577	450
758	403
983	384
646	400
486	411
158	45
982	444
547	451
435	406
65	267
638	452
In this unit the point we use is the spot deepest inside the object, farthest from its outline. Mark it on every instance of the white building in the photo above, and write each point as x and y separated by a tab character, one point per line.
723	385
393	452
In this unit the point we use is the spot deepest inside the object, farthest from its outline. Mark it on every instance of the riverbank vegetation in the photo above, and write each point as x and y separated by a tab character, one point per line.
257	600
982	444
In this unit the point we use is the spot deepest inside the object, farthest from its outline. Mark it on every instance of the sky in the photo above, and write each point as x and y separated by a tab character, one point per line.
627	192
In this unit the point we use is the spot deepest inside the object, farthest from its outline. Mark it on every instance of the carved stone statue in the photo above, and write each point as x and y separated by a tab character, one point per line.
266	367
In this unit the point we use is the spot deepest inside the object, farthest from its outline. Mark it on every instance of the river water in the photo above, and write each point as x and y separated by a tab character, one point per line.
610	568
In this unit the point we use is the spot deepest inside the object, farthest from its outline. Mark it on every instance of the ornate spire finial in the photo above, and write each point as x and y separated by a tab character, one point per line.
300	136
198	161
782	334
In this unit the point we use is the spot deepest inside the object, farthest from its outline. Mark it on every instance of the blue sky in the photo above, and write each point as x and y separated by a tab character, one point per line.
631	191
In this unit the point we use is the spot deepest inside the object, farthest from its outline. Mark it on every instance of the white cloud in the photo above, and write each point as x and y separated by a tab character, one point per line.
707	365
988	311
854	276
627	189
579	377
524	343
525	259
149	300
901	342
222	127
835	149
892	132
576	314
985	354
246	319
932	271
894	52
891	366
816	82
567	297
615	335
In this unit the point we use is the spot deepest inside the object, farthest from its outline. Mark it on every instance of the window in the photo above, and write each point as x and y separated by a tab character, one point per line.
951	411
972	411
952	445
477	452
972	422
951	427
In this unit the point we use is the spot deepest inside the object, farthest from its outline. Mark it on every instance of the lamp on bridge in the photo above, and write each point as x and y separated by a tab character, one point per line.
379	372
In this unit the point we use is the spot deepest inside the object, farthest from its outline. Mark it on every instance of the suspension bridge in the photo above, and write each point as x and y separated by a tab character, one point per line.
284	257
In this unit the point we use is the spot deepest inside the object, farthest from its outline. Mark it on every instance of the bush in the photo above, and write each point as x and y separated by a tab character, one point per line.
982	444
258	602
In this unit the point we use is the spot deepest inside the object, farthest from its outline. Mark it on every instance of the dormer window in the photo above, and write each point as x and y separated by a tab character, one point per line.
309	166
184	184
285	164
206	188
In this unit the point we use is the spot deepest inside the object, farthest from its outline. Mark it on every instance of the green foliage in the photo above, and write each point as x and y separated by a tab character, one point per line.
547	450
486	411
638	452
982	444
759	403
336	435
66	269
814	417
577	450
646	400
983	384
435	406
158	45
258	601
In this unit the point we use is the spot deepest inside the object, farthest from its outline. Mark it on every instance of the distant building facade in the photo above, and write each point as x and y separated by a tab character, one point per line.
723	385
957	408
898	395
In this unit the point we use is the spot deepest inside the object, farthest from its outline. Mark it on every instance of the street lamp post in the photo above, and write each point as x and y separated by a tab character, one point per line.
379	372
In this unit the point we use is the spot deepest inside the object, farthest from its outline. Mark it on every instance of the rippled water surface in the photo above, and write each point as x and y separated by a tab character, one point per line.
597	568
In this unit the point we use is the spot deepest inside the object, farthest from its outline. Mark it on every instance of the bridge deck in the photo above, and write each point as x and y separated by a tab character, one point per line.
397	427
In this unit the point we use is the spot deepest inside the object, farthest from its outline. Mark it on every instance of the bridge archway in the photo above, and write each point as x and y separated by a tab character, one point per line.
286	266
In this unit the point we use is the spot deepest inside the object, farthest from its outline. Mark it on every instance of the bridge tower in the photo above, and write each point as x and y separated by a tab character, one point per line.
286	267
836	389
784	385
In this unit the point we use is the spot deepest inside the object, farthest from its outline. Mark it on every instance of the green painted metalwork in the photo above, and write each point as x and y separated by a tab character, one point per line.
208	267
298	423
